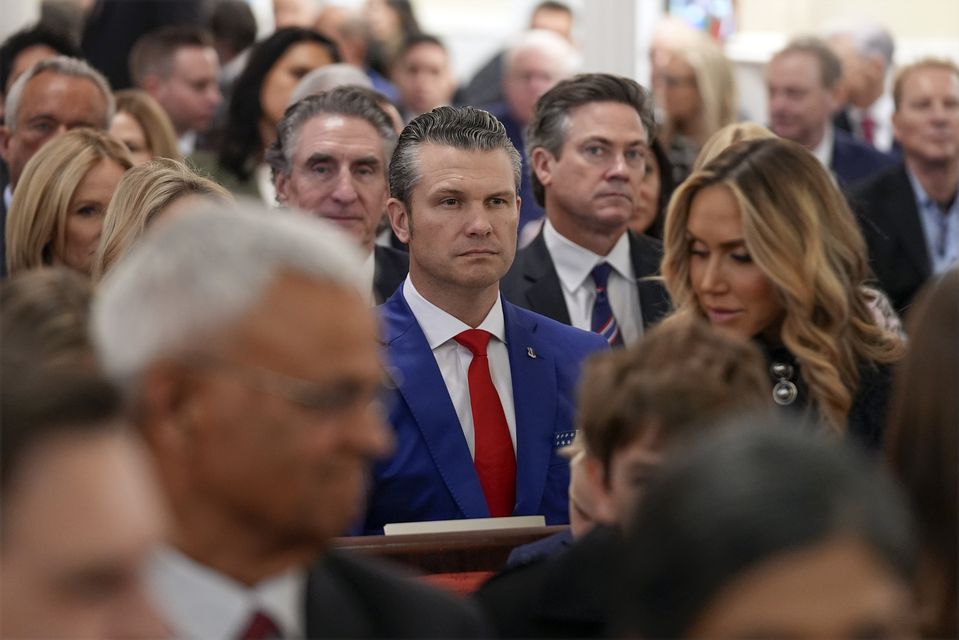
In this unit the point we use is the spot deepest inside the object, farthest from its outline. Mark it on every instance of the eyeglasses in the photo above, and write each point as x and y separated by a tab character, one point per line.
328	399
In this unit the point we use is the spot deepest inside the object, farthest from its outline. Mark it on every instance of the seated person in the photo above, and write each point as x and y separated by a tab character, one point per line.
636	407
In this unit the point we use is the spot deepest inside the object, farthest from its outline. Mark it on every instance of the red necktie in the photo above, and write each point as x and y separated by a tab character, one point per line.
261	627
493	449
868	128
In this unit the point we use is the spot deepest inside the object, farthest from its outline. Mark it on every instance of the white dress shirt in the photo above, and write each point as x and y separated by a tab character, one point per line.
574	265
823	150
453	359
881	111
187	143
367	275
200	603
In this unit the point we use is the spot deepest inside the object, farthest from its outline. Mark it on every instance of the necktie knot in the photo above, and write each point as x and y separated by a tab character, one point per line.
600	275
476	340
261	627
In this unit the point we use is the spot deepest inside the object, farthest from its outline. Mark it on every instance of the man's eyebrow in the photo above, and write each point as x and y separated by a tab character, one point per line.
371	160
317	158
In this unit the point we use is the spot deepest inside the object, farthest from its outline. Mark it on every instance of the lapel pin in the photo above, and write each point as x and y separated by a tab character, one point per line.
530	352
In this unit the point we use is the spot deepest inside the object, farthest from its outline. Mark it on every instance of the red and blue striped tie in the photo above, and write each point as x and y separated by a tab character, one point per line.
604	322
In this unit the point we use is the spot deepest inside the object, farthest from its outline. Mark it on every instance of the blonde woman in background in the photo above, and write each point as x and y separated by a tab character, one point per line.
158	189
762	243
57	210
144	127
727	137
698	99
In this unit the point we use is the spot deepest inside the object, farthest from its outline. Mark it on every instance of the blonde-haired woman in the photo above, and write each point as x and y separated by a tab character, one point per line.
727	137
698	99
57	210
762	243
158	189
144	127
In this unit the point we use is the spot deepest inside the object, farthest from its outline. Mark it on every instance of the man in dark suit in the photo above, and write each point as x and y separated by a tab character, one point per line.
909	214
485	389
252	359
803	88
330	159
586	145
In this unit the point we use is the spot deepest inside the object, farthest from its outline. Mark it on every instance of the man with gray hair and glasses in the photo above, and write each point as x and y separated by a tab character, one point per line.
54	96
485	394
330	159
252	362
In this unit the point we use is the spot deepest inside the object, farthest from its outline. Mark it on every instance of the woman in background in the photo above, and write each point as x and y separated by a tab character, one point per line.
158	189
144	127
57	211
762	243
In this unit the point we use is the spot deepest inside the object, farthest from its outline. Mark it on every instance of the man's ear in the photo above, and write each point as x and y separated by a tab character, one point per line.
152	84
165	408
542	163
399	219
595	476
5	136
282	184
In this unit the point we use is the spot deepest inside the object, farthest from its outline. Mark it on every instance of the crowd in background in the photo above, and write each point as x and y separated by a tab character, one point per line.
724	353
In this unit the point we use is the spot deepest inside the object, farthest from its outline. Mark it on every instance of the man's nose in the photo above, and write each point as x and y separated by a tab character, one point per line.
345	190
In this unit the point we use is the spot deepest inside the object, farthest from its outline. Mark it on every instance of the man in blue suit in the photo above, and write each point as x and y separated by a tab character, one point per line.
804	92
484	399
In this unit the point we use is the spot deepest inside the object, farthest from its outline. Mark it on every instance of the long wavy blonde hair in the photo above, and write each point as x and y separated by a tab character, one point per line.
142	194
800	232
37	220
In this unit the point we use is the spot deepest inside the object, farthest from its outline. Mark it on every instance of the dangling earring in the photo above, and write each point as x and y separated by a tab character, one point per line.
784	391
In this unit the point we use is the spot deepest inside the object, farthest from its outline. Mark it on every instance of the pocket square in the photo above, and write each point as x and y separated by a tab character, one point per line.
563	439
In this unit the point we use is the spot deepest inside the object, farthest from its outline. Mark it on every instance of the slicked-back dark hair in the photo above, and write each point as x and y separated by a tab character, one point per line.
463	128
550	121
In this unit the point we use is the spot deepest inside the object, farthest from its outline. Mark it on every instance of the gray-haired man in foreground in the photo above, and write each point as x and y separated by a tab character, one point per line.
252	359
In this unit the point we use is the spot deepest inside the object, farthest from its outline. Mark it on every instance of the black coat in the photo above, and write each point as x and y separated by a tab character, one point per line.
390	267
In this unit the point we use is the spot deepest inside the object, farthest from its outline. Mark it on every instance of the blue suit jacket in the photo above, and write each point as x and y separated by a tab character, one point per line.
431	475
853	161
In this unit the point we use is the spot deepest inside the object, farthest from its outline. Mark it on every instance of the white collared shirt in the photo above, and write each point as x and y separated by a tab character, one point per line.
367	275
7	197
200	603
453	359
187	143
881	111
574	266
823	150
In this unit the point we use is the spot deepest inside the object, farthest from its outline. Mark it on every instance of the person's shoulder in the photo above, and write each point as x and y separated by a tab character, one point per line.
565	337
403	607
888	178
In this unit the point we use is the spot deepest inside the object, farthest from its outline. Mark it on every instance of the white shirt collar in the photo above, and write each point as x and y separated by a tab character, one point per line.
574	263
7	197
187	143
439	327
823	150
367	276
202	603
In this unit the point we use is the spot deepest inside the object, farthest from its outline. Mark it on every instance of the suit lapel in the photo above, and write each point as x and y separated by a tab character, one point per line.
534	399
904	216
422	387
544	291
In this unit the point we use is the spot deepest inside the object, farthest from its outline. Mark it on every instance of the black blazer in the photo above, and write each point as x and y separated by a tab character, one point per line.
349	596
532	281
389	270
854	160
885	206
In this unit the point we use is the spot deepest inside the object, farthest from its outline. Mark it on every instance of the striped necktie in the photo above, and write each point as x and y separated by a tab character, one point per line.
603	321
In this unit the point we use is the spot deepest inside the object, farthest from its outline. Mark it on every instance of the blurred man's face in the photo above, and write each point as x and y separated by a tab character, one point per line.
423	78
281	419
80	519
926	123
189	93
531	73
800	105
560	22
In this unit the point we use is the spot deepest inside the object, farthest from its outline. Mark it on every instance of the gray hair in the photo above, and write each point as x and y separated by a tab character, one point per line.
327	77
463	128
548	42
191	277
357	102
550	121
868	38
64	66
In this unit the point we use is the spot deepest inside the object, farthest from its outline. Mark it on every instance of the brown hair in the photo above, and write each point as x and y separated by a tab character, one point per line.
922	444
157	128
681	377
926	63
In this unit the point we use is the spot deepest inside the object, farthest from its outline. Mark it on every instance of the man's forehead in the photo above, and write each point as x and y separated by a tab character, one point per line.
193	62
45	91
334	130
927	78
583	122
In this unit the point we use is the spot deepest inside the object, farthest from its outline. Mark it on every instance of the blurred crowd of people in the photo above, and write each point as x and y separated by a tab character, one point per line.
258	294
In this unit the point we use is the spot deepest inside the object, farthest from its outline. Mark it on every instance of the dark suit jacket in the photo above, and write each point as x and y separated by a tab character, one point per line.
389	270
349	596
430	475
842	121
853	160
885	206
533	283
565	596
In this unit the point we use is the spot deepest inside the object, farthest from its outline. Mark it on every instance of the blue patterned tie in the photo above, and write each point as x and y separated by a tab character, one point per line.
604	322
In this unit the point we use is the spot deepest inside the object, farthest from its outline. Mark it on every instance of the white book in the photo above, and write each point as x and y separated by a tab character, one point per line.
472	524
